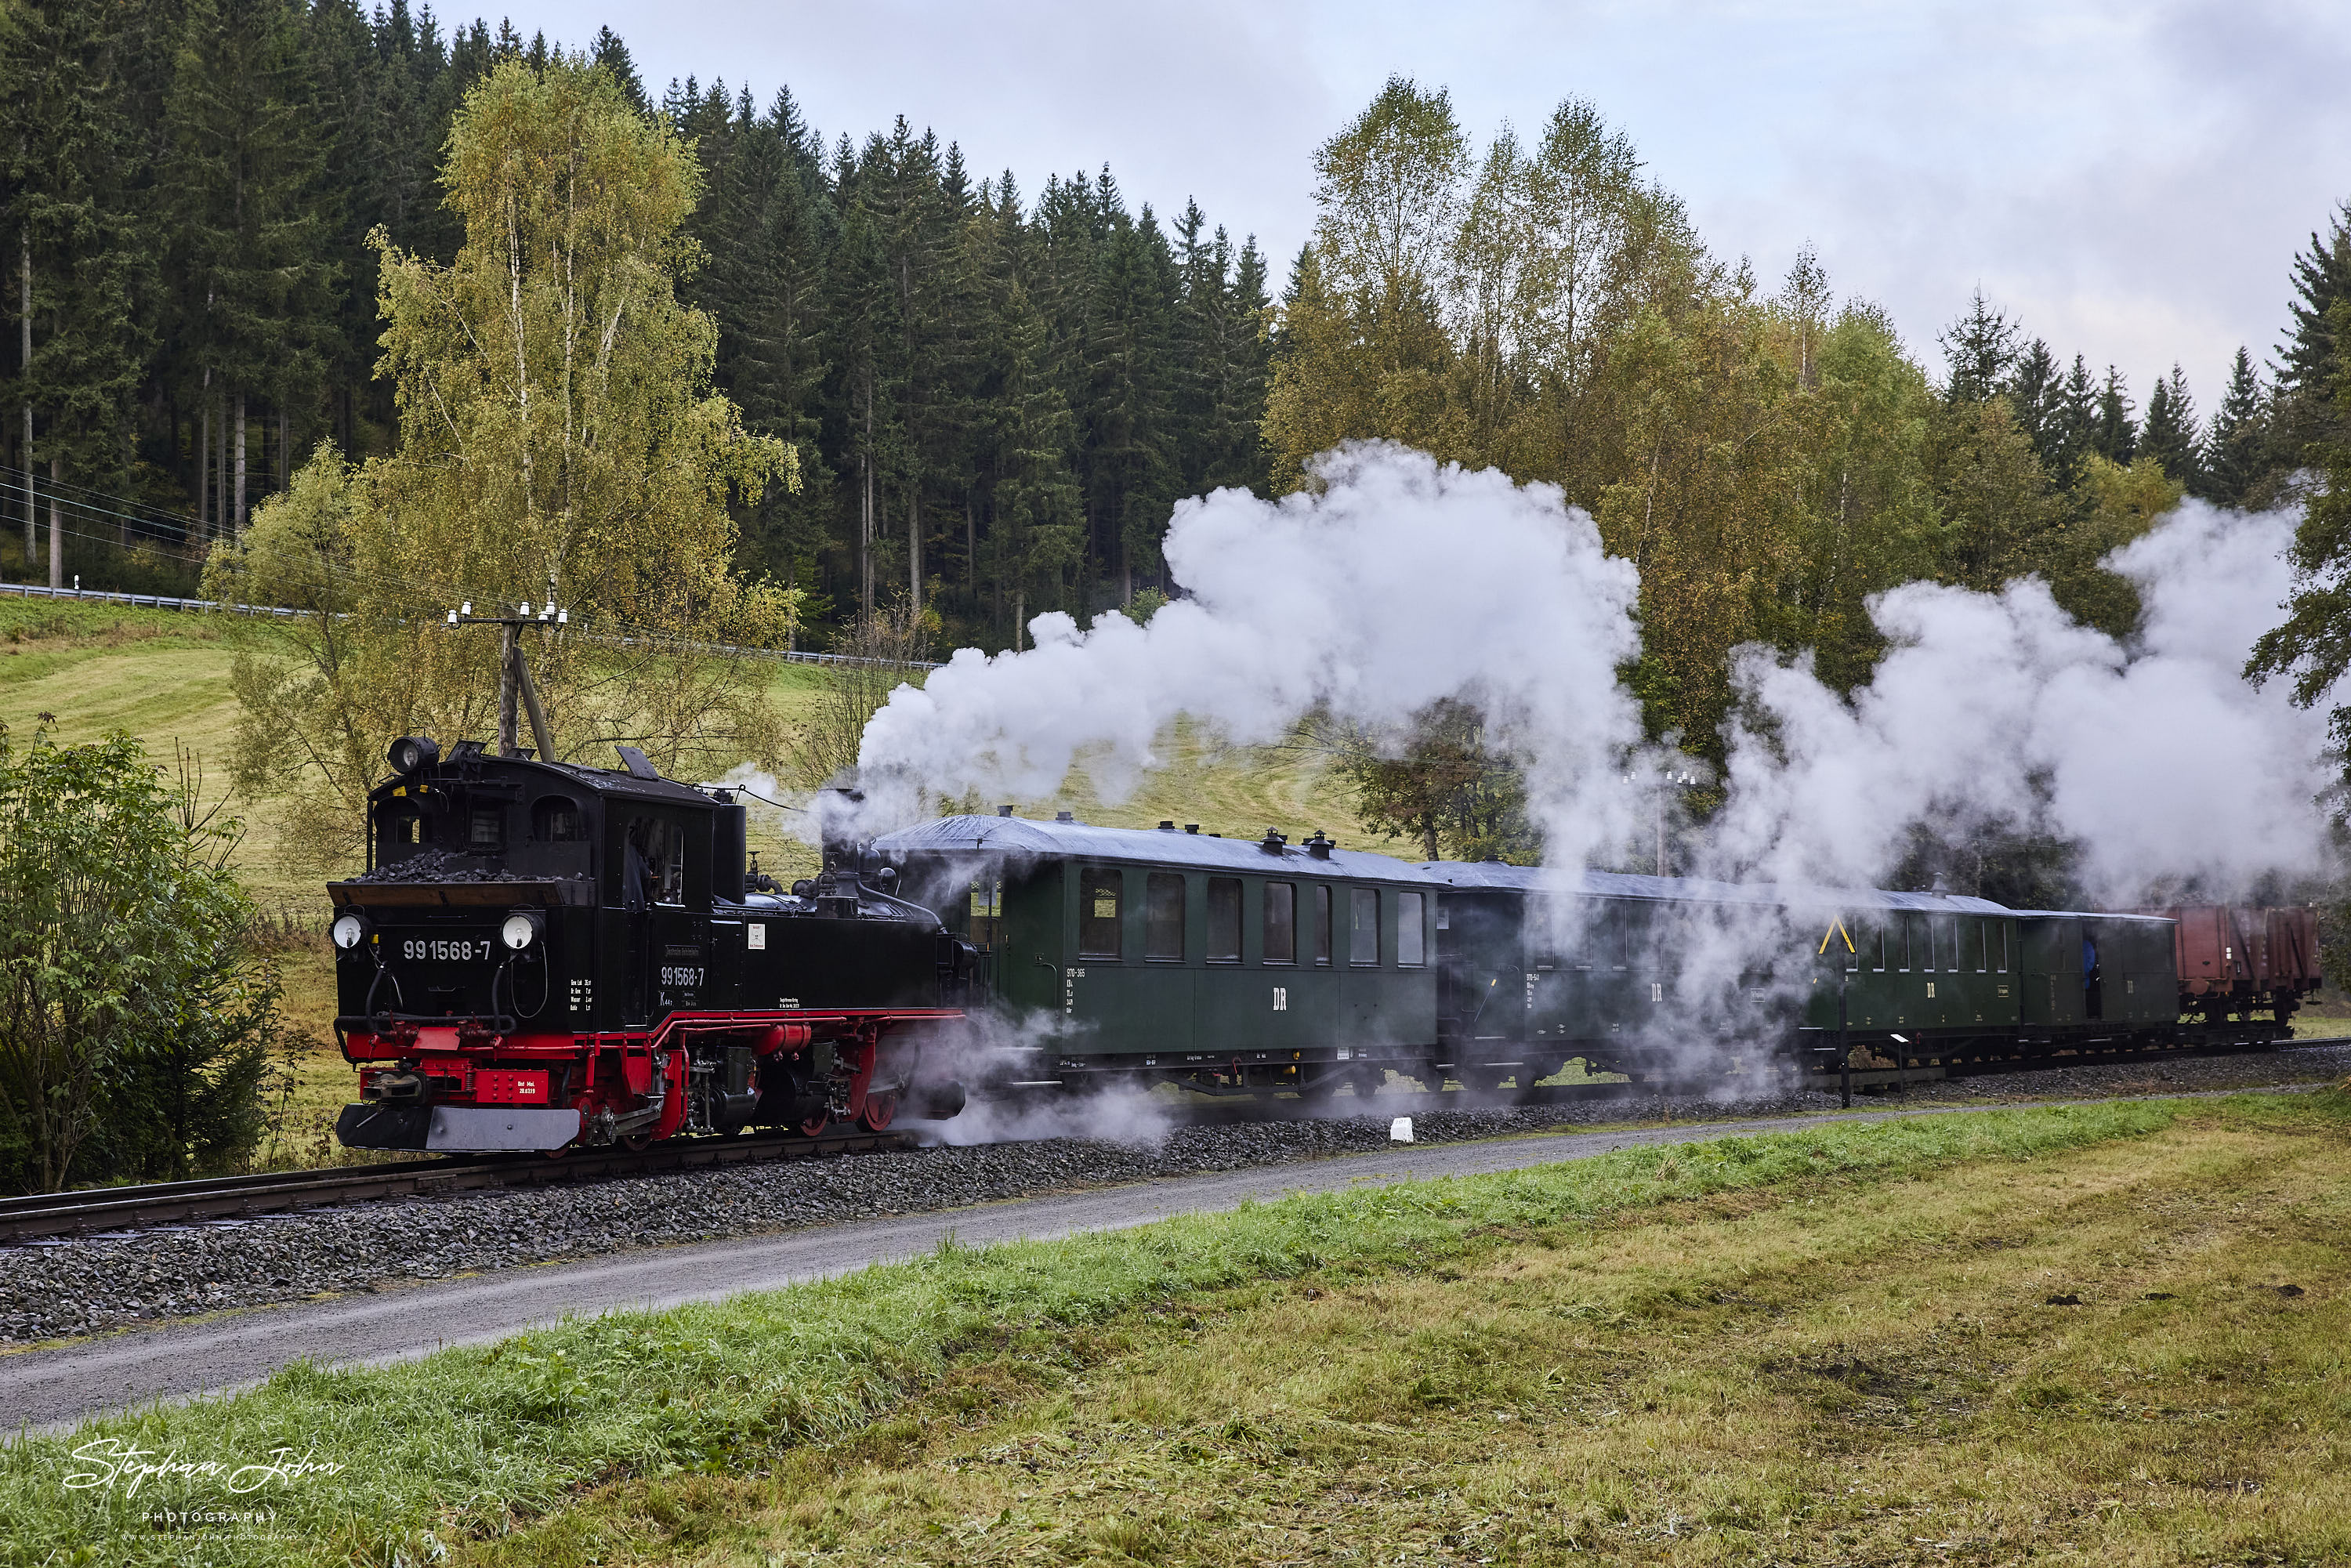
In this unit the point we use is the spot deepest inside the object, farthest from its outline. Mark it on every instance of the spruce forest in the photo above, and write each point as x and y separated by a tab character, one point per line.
993	395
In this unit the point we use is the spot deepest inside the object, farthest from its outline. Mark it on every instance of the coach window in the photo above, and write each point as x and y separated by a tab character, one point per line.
1363	926
1098	921
1983	947
1224	920
1897	936
2003	944
555	819
1877	941
1162	916
1411	938
1322	925
1947	943
1281	922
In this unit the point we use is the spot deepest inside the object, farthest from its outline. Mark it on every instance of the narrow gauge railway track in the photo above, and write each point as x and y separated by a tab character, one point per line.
1392	1102
1979	1062
45	1215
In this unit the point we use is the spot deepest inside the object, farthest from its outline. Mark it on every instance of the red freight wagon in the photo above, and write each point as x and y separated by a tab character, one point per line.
2235	960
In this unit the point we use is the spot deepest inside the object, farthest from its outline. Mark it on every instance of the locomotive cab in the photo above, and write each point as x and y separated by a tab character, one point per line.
538	954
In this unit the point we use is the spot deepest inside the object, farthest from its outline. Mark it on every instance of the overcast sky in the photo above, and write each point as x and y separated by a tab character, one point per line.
2130	180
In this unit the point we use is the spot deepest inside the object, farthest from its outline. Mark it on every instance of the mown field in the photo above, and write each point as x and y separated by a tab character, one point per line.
162	676
2104	1335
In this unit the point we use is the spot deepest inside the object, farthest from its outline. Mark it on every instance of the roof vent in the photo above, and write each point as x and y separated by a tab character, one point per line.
1004	811
1272	842
1940	887
1320	847
1168	827
1063	817
1191	827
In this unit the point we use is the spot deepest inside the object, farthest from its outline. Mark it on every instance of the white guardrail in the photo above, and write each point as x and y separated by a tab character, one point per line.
166	601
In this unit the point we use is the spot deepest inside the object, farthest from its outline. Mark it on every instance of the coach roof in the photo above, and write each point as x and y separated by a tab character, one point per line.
1024	837
1697	890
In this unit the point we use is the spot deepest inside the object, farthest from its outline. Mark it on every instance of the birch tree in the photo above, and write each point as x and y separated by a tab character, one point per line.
559	438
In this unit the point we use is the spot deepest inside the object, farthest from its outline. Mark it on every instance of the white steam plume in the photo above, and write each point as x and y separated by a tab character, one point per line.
2000	711
1400	583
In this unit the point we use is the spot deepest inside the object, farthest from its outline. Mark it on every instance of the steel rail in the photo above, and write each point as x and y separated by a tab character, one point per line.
162	1202
1256	1107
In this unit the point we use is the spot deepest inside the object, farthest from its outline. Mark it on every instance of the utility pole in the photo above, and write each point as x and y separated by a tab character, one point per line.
1668	781
32	510
514	670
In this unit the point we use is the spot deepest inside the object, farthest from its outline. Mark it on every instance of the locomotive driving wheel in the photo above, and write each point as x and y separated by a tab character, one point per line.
880	1108
815	1124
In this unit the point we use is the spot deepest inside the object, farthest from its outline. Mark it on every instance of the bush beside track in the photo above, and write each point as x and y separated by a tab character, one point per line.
465	1442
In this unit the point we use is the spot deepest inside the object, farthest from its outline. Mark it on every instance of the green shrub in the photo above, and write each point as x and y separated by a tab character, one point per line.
134	1020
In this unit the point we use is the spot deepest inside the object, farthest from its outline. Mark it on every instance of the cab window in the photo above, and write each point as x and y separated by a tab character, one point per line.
555	820
652	869
1098	921
398	830
486	828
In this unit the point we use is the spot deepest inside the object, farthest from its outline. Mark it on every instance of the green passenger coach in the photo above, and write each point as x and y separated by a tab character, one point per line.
1228	964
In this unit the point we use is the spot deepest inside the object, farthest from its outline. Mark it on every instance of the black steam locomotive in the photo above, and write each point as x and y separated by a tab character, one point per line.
540	954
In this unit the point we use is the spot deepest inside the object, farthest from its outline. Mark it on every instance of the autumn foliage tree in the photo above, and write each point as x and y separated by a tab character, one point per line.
559	437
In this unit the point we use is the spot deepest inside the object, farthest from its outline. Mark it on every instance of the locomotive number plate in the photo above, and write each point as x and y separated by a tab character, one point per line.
444	951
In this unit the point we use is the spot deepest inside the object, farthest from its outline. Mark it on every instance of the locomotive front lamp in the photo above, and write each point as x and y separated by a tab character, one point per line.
412	753
522	928
349	932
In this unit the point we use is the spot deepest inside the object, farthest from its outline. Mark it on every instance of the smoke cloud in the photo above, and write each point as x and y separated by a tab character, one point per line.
1999	712
1399	583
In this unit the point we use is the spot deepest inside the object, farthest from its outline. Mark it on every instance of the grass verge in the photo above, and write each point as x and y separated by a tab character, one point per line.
550	1447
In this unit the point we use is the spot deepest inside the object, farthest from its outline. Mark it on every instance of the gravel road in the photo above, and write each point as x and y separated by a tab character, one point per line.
49	1388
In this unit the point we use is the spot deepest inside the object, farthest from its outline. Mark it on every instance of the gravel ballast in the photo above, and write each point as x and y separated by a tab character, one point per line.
86	1284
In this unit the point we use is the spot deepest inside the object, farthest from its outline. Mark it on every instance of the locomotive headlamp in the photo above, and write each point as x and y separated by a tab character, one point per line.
522	928
412	753
349	931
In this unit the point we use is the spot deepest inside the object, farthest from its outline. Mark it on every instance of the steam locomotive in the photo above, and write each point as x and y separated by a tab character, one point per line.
542	955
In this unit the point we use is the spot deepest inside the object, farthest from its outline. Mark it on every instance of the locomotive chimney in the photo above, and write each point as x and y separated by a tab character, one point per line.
729	835
837	820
